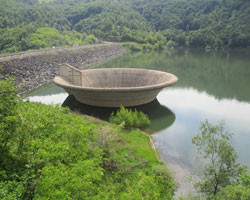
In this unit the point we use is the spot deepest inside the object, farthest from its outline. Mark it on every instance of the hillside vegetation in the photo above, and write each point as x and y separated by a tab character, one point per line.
195	23
48	152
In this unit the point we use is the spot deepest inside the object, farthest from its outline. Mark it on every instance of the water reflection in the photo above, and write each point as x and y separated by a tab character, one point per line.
191	107
221	74
213	86
46	90
48	94
56	98
161	117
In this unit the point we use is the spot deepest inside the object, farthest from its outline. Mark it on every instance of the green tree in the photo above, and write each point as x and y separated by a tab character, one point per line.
240	190
221	168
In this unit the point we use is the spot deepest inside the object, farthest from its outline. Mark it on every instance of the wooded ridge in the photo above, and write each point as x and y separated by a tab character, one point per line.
34	24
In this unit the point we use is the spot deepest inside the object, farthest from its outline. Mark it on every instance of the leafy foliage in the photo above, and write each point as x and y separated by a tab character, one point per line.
240	190
196	23
8	113
54	154
216	24
221	169
21	39
129	118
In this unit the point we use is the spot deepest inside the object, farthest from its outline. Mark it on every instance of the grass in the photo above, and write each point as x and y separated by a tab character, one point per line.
81	157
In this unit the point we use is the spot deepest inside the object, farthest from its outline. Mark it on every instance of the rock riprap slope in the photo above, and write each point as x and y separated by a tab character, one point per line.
33	69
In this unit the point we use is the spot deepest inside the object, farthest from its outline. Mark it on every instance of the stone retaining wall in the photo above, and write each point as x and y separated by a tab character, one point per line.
33	69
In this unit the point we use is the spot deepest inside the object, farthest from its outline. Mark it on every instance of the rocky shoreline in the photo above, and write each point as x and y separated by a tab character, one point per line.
36	68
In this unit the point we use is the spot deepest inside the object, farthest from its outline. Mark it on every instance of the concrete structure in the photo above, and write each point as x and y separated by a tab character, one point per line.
113	87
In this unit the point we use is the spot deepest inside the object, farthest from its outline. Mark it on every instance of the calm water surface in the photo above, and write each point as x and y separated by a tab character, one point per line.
213	86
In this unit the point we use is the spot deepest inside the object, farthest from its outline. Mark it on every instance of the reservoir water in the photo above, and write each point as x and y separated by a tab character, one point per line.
212	85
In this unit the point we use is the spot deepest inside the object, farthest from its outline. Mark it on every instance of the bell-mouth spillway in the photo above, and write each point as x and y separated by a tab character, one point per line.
113	87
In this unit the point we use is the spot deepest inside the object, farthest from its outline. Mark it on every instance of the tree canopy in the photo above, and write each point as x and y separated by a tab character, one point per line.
195	23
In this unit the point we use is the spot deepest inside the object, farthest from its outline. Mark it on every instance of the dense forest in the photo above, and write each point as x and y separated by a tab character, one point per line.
33	24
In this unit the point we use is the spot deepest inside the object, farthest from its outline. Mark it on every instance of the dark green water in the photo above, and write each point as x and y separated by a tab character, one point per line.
212	86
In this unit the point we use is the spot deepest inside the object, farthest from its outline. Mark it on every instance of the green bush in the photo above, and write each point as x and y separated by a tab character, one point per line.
132	46
48	152
29	37
47	37
91	39
130	118
8	114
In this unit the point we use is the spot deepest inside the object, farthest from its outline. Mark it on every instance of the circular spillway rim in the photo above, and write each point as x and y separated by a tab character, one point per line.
65	84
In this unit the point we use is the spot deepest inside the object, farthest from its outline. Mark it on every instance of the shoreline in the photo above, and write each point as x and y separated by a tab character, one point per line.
93	59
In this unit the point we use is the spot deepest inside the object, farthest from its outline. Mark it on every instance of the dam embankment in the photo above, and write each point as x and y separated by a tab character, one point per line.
35	68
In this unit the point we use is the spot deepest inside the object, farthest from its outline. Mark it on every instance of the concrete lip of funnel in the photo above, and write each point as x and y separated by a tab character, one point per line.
113	87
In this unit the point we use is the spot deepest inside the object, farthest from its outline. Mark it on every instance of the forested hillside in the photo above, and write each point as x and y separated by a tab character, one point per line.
195	23
200	22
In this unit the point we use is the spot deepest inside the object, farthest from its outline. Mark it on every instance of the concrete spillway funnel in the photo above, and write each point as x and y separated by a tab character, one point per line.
113	87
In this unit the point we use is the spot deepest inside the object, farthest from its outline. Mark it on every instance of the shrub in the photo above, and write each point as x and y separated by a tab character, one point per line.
132	46
51	153
91	39
8	115
130	118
